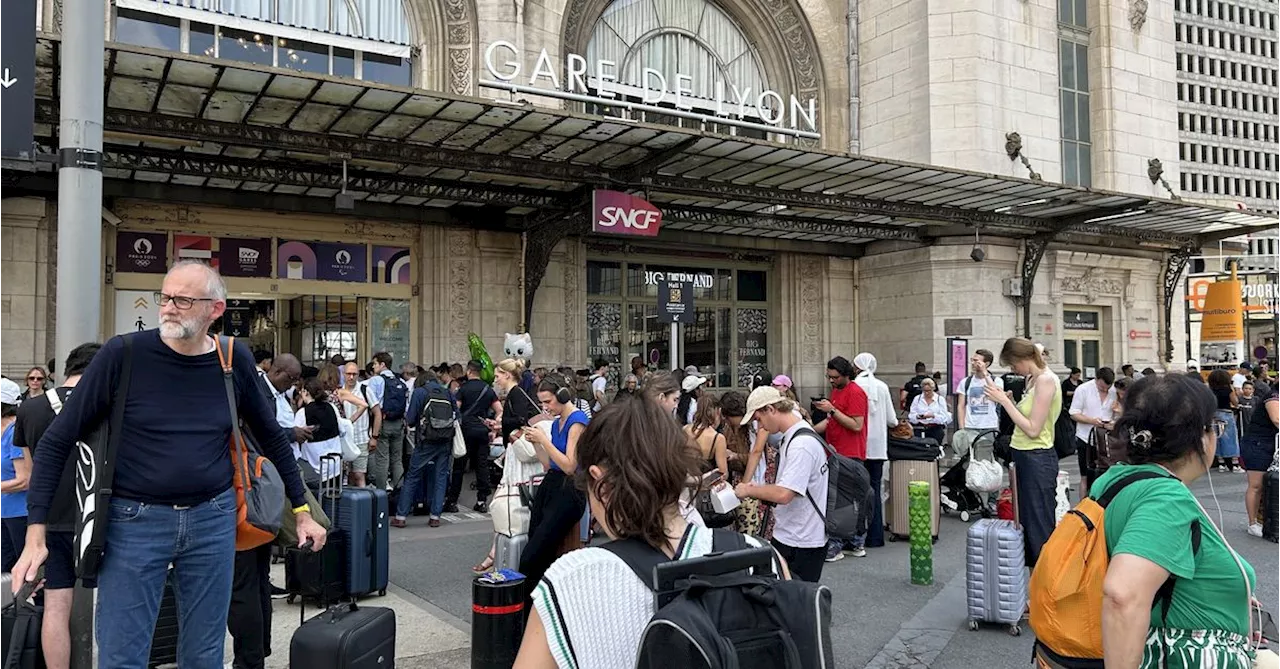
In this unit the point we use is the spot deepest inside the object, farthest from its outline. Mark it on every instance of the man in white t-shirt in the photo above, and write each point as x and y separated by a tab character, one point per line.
599	382
1091	408
799	532
1241	375
974	410
359	417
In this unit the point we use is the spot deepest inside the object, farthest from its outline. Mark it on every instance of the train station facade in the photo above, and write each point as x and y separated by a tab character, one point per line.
377	175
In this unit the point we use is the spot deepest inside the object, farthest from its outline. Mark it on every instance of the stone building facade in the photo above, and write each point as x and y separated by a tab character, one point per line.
934	83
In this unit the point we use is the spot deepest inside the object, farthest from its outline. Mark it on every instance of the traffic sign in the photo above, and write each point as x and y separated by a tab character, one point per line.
17	85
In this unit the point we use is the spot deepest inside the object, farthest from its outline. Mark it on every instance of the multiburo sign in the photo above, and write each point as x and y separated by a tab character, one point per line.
617	213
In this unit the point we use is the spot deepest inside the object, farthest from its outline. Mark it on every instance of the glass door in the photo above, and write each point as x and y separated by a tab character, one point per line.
1084	354
388	330
319	327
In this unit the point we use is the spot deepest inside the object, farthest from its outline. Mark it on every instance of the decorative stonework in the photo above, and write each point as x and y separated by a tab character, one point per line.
460	44
1092	286
572	263
1137	14
461	273
797	45
811	311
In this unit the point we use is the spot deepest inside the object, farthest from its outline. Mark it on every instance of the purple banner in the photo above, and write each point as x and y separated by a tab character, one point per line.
391	265
145	252
296	260
341	262
244	257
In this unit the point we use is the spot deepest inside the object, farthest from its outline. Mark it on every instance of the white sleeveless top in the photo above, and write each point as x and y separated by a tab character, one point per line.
594	608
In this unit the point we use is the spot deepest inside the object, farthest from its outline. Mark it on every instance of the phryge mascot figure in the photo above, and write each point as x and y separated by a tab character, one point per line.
520	346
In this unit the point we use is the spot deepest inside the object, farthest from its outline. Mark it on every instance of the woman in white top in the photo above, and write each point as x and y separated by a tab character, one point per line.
929	412
881	415
590	609
321	416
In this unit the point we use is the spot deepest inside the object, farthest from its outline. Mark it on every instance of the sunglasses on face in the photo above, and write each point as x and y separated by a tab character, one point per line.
35	378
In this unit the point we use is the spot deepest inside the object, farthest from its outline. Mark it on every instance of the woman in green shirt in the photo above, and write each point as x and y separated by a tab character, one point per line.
1157	531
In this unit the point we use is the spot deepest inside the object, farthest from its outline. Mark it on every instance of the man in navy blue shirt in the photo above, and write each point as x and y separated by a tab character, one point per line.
173	501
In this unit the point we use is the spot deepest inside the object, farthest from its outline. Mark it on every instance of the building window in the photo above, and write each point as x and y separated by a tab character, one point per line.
728	340
1073	98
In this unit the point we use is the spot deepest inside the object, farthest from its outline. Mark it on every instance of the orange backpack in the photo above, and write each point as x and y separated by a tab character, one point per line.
1066	584
260	498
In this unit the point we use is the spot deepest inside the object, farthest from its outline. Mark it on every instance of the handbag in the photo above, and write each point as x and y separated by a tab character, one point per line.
22	622
460	443
529	490
509	511
346	437
260	492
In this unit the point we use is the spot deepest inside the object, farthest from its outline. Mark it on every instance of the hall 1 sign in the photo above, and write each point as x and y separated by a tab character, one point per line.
675	302
17	78
617	213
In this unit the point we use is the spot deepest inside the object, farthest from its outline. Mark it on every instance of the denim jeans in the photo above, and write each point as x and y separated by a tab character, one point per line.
142	541
429	466
386	460
1037	472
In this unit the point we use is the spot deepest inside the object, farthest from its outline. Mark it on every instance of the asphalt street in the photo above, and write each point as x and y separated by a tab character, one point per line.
880	618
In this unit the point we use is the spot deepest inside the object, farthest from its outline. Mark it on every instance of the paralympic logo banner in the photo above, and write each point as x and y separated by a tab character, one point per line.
617	213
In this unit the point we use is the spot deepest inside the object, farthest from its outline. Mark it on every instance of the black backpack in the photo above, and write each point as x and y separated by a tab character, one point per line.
728	609
850	497
395	397
438	415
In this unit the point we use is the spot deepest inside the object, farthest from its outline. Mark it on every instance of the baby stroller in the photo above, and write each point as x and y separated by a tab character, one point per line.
956	495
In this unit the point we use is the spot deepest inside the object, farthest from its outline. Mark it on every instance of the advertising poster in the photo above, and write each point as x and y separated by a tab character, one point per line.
143	252
390	328
753	344
194	247
1222	324
957	363
296	260
341	262
391	265
244	257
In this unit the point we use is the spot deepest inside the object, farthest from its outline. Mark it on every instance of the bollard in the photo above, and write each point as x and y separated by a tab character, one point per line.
920	512
497	619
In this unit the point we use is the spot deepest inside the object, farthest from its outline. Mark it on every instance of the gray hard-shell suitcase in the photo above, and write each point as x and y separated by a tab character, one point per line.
506	554
995	574
361	514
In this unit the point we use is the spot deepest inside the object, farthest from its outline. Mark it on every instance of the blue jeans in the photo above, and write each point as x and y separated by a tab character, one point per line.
435	460
1037	472
142	541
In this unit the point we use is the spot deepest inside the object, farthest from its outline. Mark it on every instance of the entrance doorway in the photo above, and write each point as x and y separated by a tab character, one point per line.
1082	340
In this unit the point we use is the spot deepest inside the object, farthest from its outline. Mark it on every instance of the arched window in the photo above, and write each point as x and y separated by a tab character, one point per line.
689	37
364	39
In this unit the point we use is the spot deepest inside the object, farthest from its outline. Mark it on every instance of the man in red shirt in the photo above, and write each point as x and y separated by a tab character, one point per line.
846	411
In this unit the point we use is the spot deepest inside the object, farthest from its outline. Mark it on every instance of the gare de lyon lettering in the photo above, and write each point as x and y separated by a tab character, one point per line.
797	119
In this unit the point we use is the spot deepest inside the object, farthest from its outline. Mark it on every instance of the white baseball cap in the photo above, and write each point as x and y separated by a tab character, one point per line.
9	391
760	398
691	382
1193	364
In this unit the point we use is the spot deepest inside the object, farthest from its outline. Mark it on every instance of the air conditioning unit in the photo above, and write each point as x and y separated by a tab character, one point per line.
1011	287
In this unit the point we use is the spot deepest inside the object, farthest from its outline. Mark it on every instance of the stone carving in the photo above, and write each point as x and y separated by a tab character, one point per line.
461	268
460	44
1091	285
1137	14
571	262
798	45
810	311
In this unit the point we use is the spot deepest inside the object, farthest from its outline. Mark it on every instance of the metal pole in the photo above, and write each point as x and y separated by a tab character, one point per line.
79	273
673	349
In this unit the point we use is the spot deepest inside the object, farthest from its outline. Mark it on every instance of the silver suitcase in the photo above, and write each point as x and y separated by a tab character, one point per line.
996	574
507	553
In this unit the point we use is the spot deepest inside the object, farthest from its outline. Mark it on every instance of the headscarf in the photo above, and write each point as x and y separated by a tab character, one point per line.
867	363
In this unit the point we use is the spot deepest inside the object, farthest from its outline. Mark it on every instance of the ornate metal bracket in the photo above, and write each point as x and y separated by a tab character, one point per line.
1174	264
1155	172
1013	147
1033	253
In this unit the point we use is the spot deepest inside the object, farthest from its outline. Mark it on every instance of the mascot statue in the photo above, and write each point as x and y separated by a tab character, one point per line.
476	348
520	347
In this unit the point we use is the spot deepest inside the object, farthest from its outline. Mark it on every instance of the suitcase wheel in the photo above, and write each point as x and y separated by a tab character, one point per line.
964	516
1015	630
290	599
973	626
893	537
382	592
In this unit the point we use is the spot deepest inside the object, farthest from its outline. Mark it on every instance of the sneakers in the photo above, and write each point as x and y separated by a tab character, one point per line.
857	551
1255	530
834	554
481	508
451	508
278	593
399	522
434	522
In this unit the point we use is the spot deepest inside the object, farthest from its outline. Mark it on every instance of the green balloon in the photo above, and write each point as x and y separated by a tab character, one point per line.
475	345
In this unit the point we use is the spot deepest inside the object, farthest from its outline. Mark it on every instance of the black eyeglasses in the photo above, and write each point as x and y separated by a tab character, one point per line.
180	301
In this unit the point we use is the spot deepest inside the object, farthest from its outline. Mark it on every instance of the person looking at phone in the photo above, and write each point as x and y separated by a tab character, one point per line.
590	609
974	410
557	505
319	416
845	429
1091	409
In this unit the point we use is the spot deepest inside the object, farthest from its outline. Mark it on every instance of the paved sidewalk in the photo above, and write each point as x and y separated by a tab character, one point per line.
425	636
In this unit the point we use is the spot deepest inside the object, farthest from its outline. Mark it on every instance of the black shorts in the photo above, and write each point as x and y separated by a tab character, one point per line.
60	567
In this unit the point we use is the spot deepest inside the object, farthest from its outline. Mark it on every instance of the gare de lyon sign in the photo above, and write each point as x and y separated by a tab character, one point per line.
598	83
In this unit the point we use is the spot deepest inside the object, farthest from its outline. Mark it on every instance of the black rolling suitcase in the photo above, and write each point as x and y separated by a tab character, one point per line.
346	636
1271	506
319	575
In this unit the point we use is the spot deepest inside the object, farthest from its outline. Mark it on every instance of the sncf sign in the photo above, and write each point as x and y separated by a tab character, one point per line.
617	213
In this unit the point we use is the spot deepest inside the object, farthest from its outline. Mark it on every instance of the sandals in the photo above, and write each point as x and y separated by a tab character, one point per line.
483	567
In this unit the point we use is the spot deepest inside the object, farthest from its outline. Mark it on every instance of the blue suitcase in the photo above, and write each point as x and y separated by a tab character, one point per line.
362	515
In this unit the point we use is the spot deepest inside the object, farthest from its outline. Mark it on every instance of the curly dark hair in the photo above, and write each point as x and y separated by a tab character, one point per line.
1165	418
645	460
